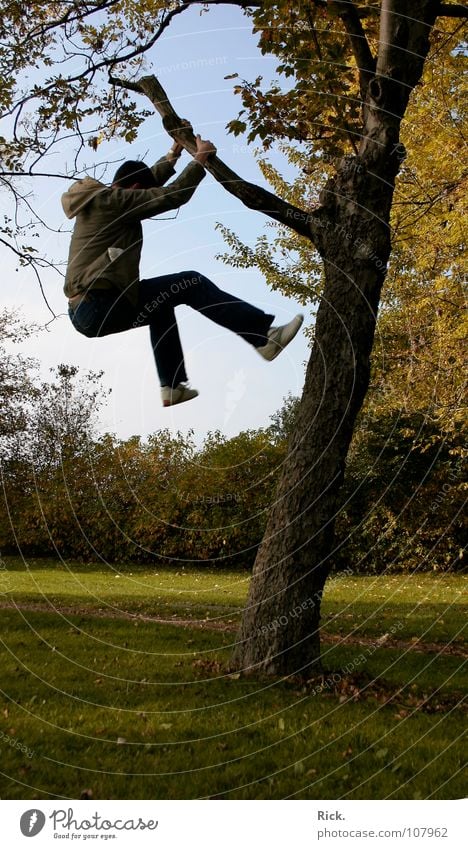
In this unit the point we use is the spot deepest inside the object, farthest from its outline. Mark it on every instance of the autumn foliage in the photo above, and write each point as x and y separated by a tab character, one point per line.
71	492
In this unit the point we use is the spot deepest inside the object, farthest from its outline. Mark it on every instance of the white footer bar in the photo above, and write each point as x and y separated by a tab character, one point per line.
219	824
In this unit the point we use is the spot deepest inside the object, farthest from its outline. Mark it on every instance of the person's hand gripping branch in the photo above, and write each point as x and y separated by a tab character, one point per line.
177	147
205	149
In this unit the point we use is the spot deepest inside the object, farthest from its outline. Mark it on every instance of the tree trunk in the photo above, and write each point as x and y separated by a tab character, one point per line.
280	627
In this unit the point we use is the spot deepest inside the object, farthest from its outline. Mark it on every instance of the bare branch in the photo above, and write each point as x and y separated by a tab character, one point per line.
32	262
92	67
34	174
452	10
243	4
70	16
251	195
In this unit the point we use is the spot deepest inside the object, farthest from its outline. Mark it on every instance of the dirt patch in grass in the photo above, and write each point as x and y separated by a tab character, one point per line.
455	648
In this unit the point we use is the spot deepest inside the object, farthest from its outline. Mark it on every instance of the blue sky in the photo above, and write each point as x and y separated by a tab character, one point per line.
238	390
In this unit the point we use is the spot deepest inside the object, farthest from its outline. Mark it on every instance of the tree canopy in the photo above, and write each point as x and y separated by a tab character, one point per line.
56	60
419	355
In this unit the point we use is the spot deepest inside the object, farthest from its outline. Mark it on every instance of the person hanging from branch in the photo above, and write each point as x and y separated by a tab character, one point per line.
105	293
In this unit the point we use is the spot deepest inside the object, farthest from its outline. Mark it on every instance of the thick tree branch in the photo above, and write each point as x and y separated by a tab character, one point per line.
254	197
455	10
365	61
388	14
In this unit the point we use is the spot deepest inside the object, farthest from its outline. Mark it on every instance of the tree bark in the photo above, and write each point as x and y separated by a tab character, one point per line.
280	627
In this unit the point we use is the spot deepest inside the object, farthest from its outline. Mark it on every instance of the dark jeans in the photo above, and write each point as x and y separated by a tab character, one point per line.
106	311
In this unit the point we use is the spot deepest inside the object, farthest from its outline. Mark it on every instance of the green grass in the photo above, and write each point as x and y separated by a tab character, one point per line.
160	591
426	606
73	684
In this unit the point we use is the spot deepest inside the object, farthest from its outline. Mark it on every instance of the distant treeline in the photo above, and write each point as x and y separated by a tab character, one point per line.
71	493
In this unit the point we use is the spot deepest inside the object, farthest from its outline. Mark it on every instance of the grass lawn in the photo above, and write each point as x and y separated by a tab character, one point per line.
95	701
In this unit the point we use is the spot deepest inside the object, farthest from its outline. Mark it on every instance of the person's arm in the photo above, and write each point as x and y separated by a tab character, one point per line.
165	167
144	203
174	153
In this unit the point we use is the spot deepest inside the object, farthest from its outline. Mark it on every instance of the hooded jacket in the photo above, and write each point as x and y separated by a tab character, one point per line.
107	237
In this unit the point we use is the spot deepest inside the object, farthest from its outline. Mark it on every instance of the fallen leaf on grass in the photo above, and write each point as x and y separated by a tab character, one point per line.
213	666
402	714
87	794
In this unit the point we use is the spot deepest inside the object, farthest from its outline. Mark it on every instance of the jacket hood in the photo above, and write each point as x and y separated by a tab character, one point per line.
80	194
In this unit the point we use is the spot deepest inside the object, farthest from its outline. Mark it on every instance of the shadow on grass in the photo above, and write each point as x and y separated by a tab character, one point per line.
121	709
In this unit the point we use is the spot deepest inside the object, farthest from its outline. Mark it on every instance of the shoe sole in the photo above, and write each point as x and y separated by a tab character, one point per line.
182	400
289	337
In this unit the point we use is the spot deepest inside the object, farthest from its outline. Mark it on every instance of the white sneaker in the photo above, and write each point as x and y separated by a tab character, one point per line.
279	337
177	395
